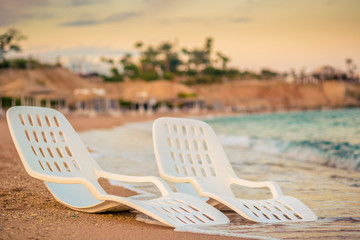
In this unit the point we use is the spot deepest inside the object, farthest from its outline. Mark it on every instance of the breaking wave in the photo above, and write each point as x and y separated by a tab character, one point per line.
342	155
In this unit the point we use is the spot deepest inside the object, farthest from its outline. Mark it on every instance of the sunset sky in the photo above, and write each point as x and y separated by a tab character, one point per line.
255	34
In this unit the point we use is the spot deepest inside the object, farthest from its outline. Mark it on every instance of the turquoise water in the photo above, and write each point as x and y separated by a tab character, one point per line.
329	138
287	148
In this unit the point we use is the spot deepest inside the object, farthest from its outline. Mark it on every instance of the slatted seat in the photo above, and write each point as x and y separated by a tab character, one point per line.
52	151
189	154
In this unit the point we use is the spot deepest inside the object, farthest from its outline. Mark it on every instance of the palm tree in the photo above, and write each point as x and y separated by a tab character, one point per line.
113	68
195	57
130	69
107	60
174	61
207	50
9	42
198	57
138	45
187	53
150	56
127	59
165	48
150	64
223	59
351	67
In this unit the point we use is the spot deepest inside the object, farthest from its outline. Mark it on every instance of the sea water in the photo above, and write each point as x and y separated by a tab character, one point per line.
314	156
330	138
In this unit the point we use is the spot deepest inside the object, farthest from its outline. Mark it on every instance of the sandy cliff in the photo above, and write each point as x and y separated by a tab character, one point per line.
275	94
243	95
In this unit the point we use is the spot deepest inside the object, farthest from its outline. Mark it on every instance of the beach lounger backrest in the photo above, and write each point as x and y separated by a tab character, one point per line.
188	148
48	145
52	151
188	152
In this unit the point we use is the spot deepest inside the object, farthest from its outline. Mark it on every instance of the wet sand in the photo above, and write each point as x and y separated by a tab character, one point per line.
28	211
333	195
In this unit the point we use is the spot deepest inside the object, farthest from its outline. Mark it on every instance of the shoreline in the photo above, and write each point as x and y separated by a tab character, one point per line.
29	210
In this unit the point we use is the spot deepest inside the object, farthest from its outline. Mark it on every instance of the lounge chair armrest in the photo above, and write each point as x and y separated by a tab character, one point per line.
178	179
160	183
273	186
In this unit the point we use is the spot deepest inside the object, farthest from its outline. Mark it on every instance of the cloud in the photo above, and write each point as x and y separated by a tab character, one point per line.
7	18
118	17
199	20
28	16
85	2
87	51
13	11
242	19
81	22
190	20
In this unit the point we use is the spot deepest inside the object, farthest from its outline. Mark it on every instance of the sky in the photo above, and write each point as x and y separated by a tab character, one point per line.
255	34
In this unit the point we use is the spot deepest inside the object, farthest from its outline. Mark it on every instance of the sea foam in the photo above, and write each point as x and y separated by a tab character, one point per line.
333	154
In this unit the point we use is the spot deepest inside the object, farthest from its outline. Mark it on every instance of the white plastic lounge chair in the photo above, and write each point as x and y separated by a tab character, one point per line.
188	151
51	150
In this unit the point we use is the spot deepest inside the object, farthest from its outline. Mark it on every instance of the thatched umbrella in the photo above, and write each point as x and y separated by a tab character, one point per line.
160	90
91	100
58	96
20	87
113	89
149	93
23	89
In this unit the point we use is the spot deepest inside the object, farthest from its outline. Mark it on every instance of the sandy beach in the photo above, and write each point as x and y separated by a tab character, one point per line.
28	211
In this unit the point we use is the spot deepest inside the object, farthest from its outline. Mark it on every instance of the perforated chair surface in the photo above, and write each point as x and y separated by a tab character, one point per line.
189	154
52	151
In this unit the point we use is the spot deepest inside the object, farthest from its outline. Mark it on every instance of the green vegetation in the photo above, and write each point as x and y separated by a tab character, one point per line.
21	63
125	104
268	74
187	95
9	41
351	67
8	102
200	65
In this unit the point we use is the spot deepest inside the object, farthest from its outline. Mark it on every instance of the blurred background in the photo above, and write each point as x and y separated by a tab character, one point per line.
146	56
